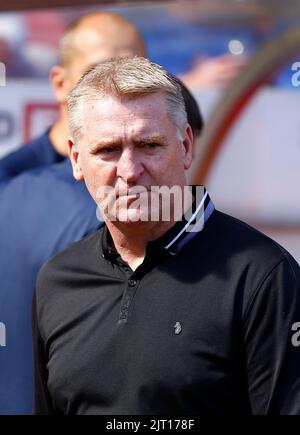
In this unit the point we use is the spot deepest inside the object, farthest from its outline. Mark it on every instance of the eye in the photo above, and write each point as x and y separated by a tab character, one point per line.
149	145
107	150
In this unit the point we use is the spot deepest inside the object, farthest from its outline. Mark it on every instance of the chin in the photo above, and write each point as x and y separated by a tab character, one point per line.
133	216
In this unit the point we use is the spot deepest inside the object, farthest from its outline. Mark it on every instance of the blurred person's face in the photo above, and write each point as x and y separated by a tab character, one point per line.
130	143
96	47
99	48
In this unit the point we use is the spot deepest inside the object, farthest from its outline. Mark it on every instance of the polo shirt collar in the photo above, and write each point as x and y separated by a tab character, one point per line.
191	224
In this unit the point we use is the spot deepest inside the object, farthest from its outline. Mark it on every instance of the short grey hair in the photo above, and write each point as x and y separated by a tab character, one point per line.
126	78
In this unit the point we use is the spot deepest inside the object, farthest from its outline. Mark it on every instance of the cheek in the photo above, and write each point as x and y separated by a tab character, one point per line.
161	167
97	174
175	174
172	166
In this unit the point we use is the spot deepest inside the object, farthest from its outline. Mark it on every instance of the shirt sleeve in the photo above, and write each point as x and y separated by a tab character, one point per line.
42	398
272	355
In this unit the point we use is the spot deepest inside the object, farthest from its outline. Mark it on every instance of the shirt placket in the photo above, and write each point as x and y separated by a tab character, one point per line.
131	285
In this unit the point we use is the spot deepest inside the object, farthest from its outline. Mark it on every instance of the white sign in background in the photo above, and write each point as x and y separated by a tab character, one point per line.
14	99
257	172
256	176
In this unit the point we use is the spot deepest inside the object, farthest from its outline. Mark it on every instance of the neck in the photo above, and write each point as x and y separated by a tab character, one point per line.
59	134
131	240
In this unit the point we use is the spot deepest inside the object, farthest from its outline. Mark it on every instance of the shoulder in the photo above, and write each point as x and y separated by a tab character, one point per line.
37	179
240	257
241	240
249	271
42	140
54	179
32	154
48	202
30	148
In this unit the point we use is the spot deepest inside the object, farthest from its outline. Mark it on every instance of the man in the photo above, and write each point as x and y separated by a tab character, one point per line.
155	313
92	38
43	210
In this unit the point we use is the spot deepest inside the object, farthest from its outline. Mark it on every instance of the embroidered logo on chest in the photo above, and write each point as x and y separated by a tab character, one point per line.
178	328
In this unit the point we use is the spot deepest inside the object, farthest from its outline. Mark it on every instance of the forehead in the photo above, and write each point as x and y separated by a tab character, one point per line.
110	114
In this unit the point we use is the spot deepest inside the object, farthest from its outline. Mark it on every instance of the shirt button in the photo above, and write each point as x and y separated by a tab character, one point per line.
132	282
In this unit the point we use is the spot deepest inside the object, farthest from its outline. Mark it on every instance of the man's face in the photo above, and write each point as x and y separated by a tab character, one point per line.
129	144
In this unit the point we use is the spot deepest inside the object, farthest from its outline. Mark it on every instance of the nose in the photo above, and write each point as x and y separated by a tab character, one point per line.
129	167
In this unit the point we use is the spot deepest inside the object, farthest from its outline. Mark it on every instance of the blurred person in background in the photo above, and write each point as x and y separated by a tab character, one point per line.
49	148
43	210
89	40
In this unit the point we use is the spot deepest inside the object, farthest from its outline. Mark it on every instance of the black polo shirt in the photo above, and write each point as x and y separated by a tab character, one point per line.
203	326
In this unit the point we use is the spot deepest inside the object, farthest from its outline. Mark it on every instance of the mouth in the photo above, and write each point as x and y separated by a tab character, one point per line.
132	192
129	198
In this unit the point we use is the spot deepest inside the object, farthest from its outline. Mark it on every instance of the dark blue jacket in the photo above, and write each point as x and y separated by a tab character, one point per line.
38	152
42	211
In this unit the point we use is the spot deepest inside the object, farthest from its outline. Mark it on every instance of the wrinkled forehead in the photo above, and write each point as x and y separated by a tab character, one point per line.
110	116
106	106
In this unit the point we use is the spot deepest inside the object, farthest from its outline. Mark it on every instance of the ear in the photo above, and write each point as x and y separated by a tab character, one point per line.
188	147
59	81
75	160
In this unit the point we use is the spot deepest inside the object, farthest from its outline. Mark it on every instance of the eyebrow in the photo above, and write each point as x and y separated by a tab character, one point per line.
117	143
105	143
154	138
